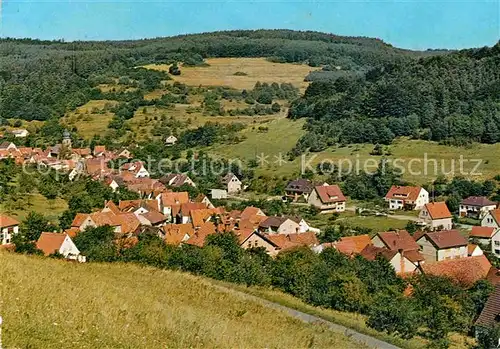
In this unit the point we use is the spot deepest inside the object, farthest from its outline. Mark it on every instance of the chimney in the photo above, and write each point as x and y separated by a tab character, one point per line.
402	261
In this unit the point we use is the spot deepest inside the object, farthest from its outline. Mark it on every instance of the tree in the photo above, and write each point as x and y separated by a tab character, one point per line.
174	69
276	107
34	225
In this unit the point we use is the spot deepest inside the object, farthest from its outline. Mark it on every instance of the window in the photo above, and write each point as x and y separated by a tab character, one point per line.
497	252
497	243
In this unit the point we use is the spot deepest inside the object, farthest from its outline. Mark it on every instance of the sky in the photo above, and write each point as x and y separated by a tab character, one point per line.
408	24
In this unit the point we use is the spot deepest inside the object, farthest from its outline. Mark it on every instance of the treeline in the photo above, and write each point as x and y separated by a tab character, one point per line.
41	79
449	98
435	307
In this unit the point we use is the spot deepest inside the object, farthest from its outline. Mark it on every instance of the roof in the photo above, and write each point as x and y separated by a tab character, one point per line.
299	186
227	178
72	232
287	241
273	222
414	256
446	239
128	222
478	201
175	179
154	217
496	215
199	216
493	275
174	198
79	219
370	252
50	242
99	149
438	210
199	237
112	207
398	240
482	232
491	310
251	211
403	192
6	221
329	193
175	233
190	206
352	244
471	248
466	270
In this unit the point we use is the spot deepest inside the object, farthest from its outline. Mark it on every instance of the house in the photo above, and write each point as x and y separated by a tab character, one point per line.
465	271
170	202
137	168
8	228
232	183
280	225
441	245
8	146
395	240
250	238
348	245
289	241
483	235
435	215
218	194
61	243
203	199
298	188
124	153
175	234
20	133
100	150
153	218
251	211
476	207
491	219
112	183
400	260
490	315
171	140
327	198
176	180
474	250
407	198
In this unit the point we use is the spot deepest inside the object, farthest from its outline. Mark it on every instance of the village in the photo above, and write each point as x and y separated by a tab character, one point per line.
437	247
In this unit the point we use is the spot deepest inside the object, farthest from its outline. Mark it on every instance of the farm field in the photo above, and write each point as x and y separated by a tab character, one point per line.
46	303
221	72
90	119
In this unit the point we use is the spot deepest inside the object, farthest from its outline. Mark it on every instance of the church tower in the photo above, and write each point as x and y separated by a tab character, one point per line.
66	142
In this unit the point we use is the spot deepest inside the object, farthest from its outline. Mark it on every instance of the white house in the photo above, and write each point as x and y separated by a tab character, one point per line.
60	243
137	168
436	215
327	198
232	183
20	133
474	250
407	198
440	245
8	228
8	146
476	207
491	219
171	140
483	235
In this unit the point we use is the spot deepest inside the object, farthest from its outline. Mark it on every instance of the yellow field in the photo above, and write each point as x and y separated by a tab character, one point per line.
54	304
88	119
220	72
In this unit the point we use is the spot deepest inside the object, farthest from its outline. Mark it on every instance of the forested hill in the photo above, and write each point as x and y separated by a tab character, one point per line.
40	79
452	98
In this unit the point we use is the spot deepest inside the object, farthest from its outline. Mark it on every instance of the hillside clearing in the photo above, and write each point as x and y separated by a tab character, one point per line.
90	119
35	202
221	72
48	302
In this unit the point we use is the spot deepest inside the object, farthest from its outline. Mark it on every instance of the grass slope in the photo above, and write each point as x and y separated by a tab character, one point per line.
90	119
51	304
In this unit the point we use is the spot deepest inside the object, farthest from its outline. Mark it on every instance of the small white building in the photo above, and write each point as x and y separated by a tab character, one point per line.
218	194
8	228
440	245
171	140
20	133
232	183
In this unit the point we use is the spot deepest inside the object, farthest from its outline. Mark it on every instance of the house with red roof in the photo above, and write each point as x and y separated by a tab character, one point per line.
251	238
328	198
402	262
50	243
491	219
436	215
483	235
442	245
465	271
348	245
476	207
8	228
407	197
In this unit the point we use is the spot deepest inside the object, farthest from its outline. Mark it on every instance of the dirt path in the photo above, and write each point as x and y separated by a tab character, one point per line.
361	338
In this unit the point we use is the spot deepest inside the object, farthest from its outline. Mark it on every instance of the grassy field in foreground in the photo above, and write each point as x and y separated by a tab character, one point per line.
220	72
52	304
